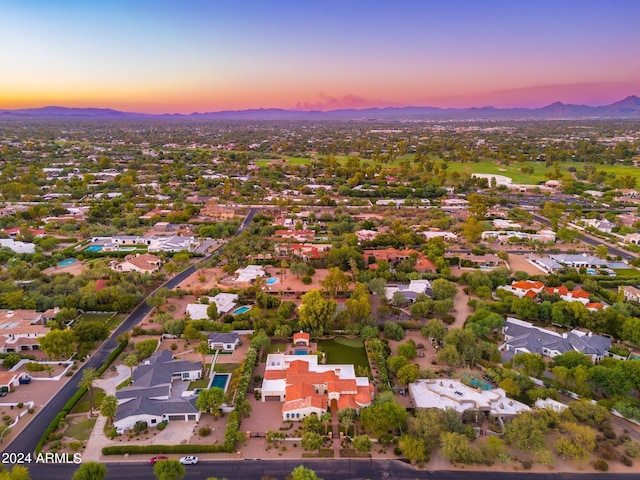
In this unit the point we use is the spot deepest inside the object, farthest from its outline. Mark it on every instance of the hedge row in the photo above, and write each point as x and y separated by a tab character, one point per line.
53	426
152	449
232	434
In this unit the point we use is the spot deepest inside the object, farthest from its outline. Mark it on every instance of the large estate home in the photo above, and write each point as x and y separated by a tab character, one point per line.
305	387
141	263
151	398
449	393
20	330
524	337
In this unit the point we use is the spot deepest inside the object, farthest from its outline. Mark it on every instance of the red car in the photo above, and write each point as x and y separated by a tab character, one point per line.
153	460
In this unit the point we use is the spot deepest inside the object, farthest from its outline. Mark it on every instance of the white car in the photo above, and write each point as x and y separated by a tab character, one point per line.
189	460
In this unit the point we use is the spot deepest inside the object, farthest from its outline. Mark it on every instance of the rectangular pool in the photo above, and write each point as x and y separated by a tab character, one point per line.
221	380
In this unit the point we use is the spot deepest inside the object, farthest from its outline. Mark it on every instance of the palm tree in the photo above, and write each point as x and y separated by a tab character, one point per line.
108	408
203	350
88	377
325	418
346	422
131	361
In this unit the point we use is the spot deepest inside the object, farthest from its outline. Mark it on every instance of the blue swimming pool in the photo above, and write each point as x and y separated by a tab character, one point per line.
591	271
272	281
94	248
301	351
66	262
221	380
242	309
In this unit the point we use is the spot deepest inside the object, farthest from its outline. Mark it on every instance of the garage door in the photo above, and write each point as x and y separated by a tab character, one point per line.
176	417
272	398
191	417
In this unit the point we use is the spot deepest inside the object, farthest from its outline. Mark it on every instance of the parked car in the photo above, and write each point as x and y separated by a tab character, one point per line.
3	393
153	460
189	460
25	379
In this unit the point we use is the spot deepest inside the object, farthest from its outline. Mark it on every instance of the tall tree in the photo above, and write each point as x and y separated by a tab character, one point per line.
209	400
335	282
303	473
91	471
58	344
168	470
131	361
203	350
108	407
89	376
315	312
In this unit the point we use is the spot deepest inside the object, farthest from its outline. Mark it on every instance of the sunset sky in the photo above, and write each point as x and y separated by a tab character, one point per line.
184	56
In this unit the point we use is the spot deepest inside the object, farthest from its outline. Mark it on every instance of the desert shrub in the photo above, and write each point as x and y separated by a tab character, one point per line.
161	426
526	464
204	431
601	465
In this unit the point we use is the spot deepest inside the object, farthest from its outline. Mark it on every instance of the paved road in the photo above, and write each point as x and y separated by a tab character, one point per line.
28	438
593	241
339	469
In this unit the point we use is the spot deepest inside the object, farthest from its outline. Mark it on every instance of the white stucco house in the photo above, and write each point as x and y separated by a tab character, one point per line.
227	342
151	398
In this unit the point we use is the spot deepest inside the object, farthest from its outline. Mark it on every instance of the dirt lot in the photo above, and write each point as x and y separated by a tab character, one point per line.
74	269
520	263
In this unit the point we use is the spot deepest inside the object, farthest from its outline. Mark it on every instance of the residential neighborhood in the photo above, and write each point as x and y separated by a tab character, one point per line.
292	301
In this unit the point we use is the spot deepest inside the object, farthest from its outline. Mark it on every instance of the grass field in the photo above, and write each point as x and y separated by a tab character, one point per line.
83	405
94	317
225	367
342	350
80	430
512	171
626	272
289	160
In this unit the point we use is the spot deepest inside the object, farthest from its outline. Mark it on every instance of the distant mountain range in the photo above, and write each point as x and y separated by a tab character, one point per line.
626	108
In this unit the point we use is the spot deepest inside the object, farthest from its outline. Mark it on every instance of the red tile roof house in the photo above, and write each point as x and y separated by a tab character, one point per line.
20	330
524	288
393	256
301	339
577	295
142	263
307	388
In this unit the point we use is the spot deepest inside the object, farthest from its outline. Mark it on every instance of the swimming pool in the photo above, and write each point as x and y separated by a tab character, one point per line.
66	262
272	281
242	309
300	351
480	384
221	380
94	248
591	271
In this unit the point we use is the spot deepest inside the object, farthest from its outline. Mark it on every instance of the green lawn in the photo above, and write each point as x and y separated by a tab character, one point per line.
83	405
341	350
80	430
202	383
290	161
95	317
626	272
225	367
